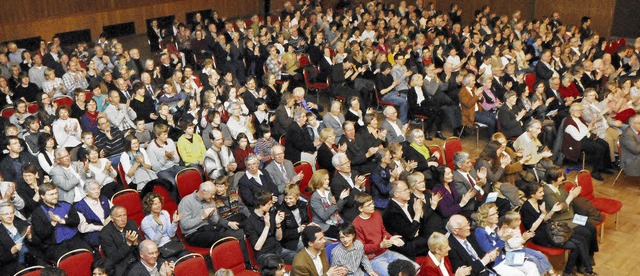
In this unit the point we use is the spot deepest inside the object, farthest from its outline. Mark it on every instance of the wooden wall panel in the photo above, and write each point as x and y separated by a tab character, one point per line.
47	27
600	11
498	7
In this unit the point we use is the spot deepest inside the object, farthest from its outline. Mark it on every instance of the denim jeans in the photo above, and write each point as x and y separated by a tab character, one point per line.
400	101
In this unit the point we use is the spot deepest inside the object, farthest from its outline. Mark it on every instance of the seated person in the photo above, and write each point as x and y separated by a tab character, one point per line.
149	263
327	149
360	158
300	145
296	218
93	211
465	250
510	116
163	154
495	159
472	111
516	241
350	253
218	159
69	176
15	241
103	172
381	179
465	178
490	238
255	180
160	227
55	225
438	259
372	233
578	137
200	220
417	151
264	230
191	147
232	211
120	239
313	259
324	207
281	170
109	140
346	181
403	218
136	164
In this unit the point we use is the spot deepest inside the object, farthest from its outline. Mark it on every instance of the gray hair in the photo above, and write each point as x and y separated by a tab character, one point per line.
468	79
574	106
59	151
387	110
89	184
415	132
459	158
393	187
338	159
276	147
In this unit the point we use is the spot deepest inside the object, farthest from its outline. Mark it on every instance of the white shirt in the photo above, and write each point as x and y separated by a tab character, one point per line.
316	262
577	133
256	177
439	264
419	94
405	208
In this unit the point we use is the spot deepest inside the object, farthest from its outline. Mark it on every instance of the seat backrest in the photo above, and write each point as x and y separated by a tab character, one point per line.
33	108
191	264
188	180
30	271
283	140
568	185
123	178
169	204
328	248
63	100
307	171
584	180
435	148
367	182
130	200
451	146
77	262
530	80
226	253
8	112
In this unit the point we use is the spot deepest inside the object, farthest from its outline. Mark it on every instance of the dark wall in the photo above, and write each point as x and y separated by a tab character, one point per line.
626	21
58	16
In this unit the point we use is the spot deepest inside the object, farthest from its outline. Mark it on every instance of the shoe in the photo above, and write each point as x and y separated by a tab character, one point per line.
608	171
597	176
428	137
568	274
440	136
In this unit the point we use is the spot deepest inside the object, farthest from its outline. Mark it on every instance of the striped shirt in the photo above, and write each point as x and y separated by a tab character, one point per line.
353	258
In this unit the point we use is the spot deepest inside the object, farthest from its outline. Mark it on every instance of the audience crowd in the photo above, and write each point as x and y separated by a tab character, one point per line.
238	100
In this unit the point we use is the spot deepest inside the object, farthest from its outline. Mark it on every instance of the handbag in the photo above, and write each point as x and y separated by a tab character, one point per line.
559	233
171	249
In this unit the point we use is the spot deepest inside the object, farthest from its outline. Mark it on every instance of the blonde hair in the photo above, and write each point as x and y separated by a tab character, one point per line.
510	217
317	179
481	215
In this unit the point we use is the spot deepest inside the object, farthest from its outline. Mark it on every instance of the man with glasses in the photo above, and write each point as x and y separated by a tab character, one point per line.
346	179
69	176
55	224
403	217
465	250
281	170
219	159
578	137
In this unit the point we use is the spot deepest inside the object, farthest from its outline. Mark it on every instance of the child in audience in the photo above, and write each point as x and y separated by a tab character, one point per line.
350	253
87	140
142	133
515	241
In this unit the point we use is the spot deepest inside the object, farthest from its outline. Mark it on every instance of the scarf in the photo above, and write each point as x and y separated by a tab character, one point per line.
422	149
93	117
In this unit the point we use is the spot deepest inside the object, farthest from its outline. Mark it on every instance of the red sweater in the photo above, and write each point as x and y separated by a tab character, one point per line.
370	232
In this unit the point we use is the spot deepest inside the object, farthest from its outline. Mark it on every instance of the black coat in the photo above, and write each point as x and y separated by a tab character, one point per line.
298	141
116	248
338	184
459	256
248	187
9	262
290	235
